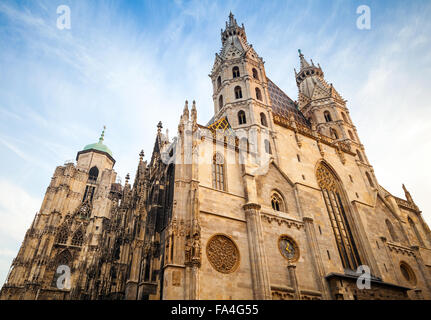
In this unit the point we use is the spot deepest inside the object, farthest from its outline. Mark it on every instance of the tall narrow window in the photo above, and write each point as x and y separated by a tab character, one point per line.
258	94
220	102
255	75
263	120
336	207
238	92
63	234
241	117
218	172
359	156
344	117
416	231
391	230
370	181
328	117
235	72
334	133
268	147
351	135
78	238
218	82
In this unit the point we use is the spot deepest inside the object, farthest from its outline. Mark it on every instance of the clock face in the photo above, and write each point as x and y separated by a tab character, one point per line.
288	248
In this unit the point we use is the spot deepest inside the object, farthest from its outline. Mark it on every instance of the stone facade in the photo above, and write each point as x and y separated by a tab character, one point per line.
272	199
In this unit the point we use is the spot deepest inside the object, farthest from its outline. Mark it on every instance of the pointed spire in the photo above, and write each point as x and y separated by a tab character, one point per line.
159	127
194	112
102	136
127	178
186	111
141	155
304	63
232	20
232	29
407	194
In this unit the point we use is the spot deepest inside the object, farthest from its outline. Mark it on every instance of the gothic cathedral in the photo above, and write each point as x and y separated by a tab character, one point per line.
271	199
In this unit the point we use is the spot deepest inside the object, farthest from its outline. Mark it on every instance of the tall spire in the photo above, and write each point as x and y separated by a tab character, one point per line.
304	63
232	20
232	29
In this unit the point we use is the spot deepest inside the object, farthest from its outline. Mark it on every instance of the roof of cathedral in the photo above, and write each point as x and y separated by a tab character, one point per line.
99	146
282	105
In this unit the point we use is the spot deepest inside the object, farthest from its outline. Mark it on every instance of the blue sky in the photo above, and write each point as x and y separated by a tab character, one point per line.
129	64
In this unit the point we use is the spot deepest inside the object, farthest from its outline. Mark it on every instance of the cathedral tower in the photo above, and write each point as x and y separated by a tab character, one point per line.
240	88
323	106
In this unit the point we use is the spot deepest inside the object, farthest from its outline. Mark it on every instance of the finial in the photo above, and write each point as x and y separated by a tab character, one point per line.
127	178
194	105
141	155
102	136
300	53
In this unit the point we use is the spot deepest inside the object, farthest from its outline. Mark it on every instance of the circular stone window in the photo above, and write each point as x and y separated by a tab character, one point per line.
222	253
288	248
408	273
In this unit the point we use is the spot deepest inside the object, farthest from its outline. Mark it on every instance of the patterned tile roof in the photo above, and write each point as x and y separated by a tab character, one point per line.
282	105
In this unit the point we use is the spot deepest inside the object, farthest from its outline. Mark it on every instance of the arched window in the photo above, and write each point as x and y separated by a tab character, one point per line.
334	133
408	273
258	94
255	75
238	92
268	147
63	235
344	117
93	174
391	230
218	172
328	117
235	72
263	120
62	259
241	117
220	102
359	156
351	135
416	231
370	181
277	202
218	82
336	205
78	238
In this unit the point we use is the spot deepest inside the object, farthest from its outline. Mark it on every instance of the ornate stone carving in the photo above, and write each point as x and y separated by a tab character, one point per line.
325	179
223	254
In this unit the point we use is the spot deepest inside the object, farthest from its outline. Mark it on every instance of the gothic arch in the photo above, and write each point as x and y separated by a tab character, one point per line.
278	201
78	237
63	234
391	230
337	207
416	231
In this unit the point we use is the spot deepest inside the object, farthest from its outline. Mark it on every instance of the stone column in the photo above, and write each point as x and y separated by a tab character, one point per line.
259	267
294	280
318	268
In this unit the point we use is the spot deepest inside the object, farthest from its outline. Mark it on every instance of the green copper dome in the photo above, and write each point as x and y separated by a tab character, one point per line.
99	146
